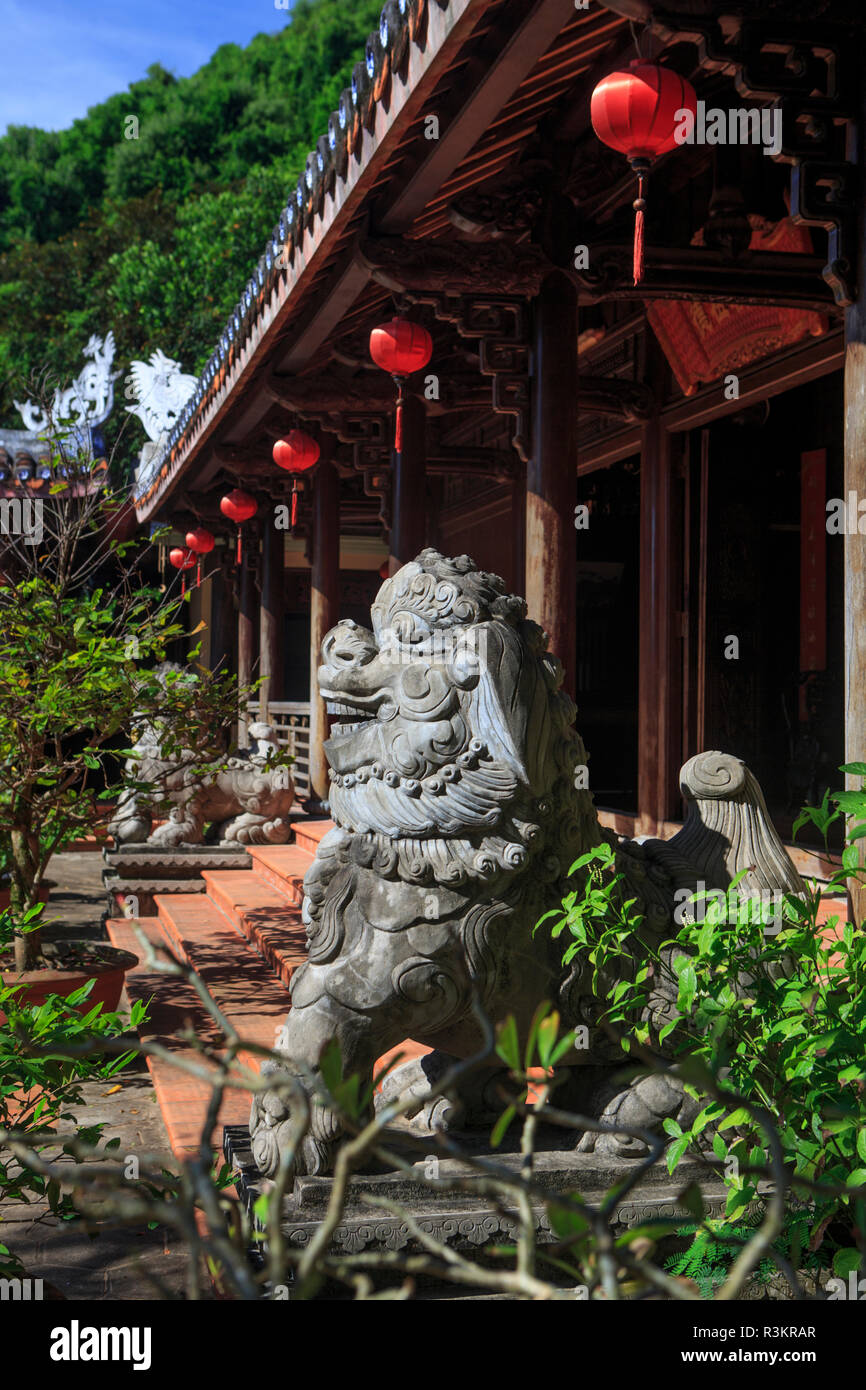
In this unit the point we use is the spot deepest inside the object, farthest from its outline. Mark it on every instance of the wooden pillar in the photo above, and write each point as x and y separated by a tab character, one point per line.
518	528
409	489
273	609
246	626
660	655
222	614
551	474
854	590
324	608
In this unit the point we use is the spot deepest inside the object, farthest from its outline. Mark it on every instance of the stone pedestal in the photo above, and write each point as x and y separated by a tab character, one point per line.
135	873
467	1220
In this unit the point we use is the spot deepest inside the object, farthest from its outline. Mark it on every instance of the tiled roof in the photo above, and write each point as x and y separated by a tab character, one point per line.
332	168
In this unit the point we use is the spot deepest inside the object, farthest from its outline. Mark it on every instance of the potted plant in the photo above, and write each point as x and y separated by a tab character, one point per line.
82	632
46	1055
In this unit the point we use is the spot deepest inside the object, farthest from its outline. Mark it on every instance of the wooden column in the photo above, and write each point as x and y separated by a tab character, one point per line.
551	474
246	624
222	613
409	488
324	608
273	609
854	591
659	689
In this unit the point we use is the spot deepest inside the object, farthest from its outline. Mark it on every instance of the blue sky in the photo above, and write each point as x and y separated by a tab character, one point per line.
61	56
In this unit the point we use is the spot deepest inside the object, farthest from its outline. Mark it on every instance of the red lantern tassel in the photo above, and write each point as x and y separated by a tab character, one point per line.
398	427
183	586
198	574
294	507
240	549
639	215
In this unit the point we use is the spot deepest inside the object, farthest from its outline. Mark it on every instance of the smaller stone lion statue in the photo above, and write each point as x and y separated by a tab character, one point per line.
248	799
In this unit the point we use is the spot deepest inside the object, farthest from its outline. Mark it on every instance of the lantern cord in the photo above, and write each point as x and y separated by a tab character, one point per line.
639	216
398	427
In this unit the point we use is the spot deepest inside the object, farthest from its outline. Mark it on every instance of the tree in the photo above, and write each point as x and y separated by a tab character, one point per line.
81	631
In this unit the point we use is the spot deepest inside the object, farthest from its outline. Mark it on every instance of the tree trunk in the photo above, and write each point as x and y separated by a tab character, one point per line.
26	871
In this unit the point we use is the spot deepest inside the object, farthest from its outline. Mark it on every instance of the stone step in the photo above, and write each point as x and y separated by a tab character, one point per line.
174	1007
267	917
135	897
239	981
308	833
283	867
152	861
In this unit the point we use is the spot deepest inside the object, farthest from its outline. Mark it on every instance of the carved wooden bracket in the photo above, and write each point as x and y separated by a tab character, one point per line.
811	72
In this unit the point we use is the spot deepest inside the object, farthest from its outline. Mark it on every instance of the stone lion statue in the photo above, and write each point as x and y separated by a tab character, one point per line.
248	799
459	793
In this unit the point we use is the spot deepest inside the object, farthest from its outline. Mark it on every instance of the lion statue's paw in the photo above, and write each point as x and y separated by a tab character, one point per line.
414	1083
643	1105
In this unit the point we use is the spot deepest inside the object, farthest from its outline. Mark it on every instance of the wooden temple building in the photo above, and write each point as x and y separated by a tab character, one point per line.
650	465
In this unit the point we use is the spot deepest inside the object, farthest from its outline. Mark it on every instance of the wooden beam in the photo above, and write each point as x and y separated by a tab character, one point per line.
497	80
453	266
324	609
782	372
696	272
325	315
551	473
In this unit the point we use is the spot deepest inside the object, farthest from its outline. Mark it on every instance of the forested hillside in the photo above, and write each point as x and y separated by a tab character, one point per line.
156	237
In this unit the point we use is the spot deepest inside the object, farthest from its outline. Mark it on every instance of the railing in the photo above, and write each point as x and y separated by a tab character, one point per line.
291	719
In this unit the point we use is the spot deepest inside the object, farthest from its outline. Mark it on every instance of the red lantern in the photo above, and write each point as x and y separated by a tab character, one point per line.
201	542
298	453
400	347
637	111
182	560
238	506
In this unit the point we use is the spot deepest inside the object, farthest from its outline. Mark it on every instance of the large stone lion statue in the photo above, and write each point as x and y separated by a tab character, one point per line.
459	795
247	800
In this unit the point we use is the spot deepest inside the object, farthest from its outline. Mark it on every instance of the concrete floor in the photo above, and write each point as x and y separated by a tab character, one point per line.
116	1264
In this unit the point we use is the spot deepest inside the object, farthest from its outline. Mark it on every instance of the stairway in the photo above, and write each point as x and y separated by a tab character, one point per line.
244	938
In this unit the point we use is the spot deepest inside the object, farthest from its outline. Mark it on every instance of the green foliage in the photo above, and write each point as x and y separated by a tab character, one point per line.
715	1245
47	1053
78	652
157	236
770	1010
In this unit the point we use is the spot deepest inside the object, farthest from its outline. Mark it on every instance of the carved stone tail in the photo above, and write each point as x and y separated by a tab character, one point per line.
727	829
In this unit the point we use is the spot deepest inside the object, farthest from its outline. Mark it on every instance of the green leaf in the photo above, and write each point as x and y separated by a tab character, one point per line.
676	1151
846	1262
501	1127
507	1043
331	1065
